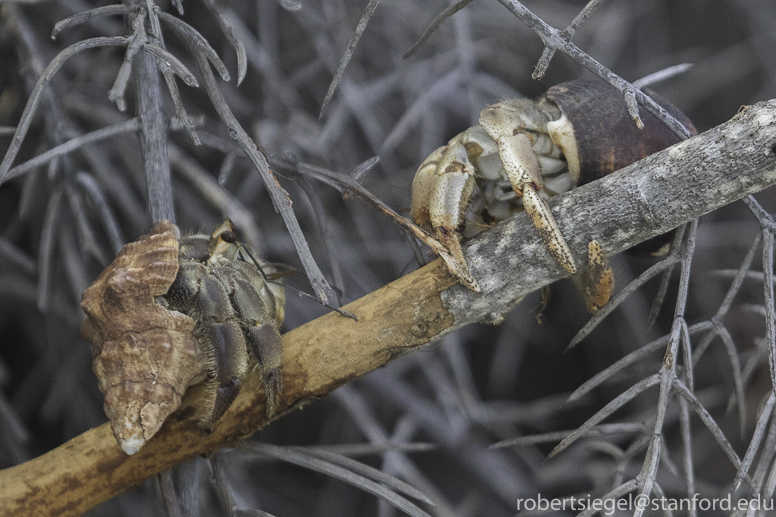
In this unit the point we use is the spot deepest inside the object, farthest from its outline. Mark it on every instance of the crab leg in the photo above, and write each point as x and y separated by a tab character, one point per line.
522	169
548	228
599	280
422	186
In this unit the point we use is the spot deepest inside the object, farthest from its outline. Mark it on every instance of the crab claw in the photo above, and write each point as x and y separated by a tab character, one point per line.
440	196
454	259
452	188
519	161
548	229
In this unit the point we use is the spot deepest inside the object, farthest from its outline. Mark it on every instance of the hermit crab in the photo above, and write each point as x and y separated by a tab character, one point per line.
526	151
173	311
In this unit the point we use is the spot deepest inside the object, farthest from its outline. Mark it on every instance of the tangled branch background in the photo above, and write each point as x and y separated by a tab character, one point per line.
75	189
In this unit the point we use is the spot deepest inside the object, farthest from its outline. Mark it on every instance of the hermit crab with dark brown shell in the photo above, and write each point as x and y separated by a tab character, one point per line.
524	152
171	312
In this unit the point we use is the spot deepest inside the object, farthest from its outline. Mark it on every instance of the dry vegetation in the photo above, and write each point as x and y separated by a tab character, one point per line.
429	417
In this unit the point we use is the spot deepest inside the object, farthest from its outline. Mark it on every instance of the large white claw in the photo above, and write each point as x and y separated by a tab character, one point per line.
452	188
422	187
548	229
440	195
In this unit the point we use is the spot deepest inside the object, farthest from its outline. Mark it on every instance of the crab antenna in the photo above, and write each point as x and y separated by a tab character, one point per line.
302	293
253	259
299	292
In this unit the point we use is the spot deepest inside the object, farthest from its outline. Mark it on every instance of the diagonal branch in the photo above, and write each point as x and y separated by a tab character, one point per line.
639	202
568	33
557	40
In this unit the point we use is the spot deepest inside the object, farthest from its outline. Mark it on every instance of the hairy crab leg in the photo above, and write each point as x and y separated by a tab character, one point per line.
220	330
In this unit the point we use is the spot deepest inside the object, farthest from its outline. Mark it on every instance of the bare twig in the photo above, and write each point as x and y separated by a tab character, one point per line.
757	436
662	75
323	464
606	411
226	27
280	199
688	464
189	34
444	15
360	28
47	243
168	492
598	430
657	303
153	138
552	38
35	96
707	419
90	186
568	33
129	126
85	16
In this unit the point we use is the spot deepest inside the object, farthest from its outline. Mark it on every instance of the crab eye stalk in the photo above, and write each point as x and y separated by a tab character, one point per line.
223	241
228	236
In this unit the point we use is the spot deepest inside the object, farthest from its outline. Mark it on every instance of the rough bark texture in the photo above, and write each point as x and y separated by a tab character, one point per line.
153	139
644	200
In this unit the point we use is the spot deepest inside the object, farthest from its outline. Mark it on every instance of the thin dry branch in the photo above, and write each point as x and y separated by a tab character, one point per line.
549	52
280	199
557	40
639	202
368	12
444	15
35	97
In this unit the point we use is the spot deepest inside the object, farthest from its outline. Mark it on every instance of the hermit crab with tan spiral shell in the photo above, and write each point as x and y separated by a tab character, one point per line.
524	152
173	311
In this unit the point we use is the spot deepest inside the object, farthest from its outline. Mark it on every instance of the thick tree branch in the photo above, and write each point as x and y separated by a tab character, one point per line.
646	199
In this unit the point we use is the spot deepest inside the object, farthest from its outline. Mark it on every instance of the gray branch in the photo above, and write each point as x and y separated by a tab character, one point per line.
153	139
647	198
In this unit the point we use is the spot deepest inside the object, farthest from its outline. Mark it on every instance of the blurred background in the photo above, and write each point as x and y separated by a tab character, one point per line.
429	417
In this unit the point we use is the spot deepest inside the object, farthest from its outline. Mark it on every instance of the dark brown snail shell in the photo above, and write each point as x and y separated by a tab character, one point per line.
607	137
